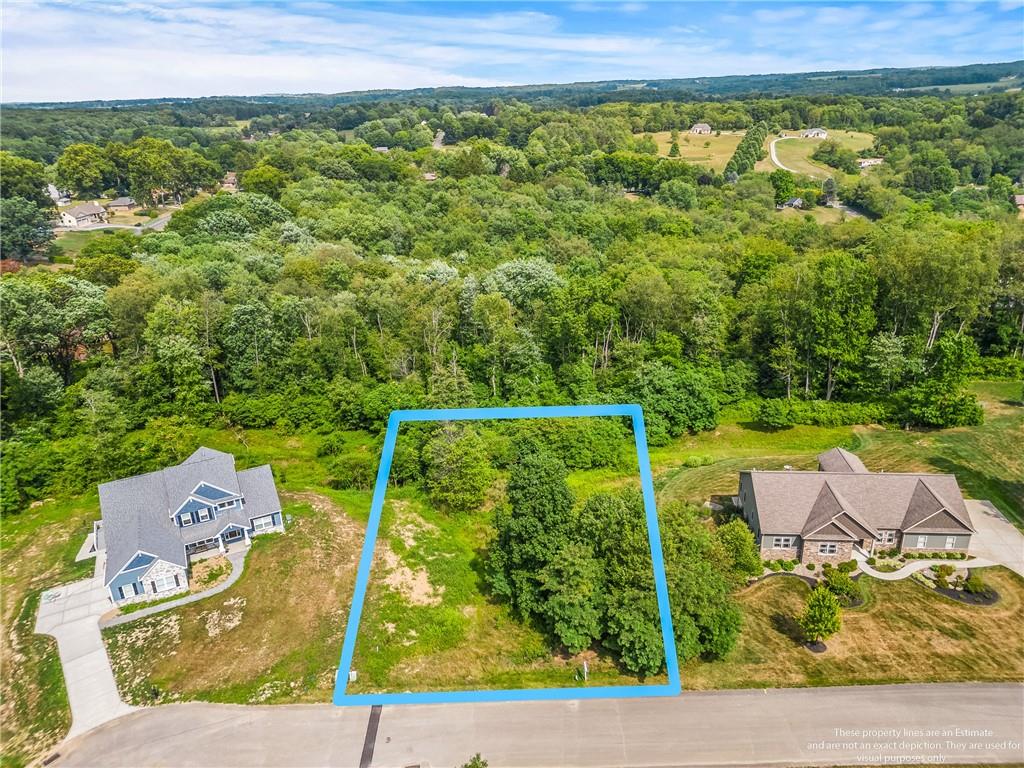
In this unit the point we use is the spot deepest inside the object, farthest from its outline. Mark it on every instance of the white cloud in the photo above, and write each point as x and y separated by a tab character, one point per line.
192	47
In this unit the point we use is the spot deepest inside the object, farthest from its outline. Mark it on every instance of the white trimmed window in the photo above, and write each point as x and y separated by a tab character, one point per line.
186	520
951	542
783	542
262	523
828	548
228	504
164	584
888	537
127	590
204	514
922	542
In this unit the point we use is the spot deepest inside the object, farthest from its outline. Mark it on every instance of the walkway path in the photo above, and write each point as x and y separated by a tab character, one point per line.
237	560
796	726
69	613
916	565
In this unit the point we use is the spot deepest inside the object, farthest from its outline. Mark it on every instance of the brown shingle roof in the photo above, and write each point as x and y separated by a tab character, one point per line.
881	500
840	460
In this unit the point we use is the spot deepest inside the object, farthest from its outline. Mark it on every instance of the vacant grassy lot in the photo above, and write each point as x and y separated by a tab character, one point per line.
712	151
903	633
73	242
819	213
429	622
795	153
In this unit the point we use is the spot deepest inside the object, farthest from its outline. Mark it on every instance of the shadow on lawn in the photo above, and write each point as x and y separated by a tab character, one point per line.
1008	493
787	625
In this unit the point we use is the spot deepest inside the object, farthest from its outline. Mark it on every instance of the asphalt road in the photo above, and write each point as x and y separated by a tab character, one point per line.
822	726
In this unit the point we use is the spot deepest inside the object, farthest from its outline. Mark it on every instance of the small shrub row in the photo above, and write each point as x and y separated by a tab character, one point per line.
699	460
779	412
781	565
935	555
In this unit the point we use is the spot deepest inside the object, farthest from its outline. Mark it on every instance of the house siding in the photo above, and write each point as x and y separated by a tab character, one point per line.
936	542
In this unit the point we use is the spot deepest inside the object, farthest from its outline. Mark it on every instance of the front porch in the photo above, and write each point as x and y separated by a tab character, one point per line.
234	538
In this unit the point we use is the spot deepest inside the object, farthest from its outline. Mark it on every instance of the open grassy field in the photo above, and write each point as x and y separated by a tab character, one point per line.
903	633
820	214
712	151
1004	84
429	622
795	153
73	242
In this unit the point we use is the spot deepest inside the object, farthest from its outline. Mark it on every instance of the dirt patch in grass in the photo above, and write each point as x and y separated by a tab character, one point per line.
273	636
901	634
412	584
208	573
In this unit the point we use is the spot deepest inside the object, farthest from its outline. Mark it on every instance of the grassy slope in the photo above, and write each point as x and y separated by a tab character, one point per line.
37	551
903	633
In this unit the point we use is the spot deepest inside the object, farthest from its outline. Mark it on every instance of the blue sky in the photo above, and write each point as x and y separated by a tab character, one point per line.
105	50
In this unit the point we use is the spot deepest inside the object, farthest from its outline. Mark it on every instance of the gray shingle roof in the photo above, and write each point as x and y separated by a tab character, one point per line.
138	511
786	500
84	209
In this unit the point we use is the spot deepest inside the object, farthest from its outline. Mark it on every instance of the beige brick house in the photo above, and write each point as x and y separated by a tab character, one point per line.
823	516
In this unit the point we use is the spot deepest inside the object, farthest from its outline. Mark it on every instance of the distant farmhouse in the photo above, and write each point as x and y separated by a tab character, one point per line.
83	214
121	204
793	202
815	133
154	524
823	516
869	162
230	182
702	128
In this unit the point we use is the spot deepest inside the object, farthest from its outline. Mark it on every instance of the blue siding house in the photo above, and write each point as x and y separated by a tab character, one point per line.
153	524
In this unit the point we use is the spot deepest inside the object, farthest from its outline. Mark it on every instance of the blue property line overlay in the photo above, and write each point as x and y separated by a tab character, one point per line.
634	412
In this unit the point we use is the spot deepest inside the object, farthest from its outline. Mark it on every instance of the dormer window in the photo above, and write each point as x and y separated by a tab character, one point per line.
186	520
204	514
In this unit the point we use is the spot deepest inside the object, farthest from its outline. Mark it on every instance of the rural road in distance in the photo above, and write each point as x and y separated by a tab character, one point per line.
953	723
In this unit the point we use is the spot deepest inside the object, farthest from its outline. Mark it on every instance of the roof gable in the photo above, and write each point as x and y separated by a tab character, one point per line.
212	492
943	520
840	460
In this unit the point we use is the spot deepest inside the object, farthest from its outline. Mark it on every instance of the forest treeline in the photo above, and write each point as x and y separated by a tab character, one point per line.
509	269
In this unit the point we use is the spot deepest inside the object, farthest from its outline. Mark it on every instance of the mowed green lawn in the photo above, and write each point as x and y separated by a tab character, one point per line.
795	153
903	633
712	151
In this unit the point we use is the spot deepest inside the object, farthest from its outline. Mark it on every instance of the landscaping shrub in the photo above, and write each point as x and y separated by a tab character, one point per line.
842	586
810	566
699	460
871	561
975	585
826	566
848	567
773	565
787	565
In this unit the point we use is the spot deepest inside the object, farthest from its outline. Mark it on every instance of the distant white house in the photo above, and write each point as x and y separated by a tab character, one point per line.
230	182
869	162
83	214
815	133
702	128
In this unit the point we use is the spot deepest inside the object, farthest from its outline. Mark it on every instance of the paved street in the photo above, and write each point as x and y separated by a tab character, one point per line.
754	727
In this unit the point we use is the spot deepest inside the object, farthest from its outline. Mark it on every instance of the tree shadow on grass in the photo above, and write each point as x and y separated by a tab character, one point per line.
787	625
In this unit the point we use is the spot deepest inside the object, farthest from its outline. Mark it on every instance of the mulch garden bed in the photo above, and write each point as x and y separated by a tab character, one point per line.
988	597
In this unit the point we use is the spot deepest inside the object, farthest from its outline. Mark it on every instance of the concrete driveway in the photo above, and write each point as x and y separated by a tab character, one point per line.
71	614
997	539
860	725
